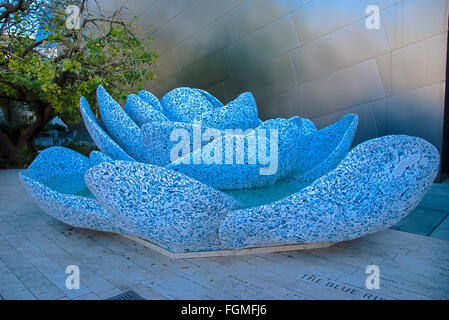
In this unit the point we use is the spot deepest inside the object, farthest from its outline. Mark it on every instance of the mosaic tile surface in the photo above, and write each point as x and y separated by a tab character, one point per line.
184	104
63	169
161	139
318	193
308	126
214	101
242	172
99	135
121	127
167	208
97	157
325	148
141	112
151	99
302	153
240	113
378	183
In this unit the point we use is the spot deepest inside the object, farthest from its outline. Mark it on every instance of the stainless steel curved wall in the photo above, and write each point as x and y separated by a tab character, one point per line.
312	58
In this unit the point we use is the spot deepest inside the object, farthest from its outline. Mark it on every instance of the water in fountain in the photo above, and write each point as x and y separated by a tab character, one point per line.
253	197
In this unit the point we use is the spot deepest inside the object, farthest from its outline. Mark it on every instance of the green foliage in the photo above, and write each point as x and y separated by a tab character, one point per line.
105	50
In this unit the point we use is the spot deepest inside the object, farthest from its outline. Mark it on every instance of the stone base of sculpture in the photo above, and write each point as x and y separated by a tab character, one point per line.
227	253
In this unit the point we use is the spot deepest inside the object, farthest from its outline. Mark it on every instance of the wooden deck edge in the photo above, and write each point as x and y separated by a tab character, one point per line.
227	252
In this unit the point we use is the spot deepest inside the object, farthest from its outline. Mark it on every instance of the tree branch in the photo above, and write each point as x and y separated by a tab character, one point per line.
44	114
13	8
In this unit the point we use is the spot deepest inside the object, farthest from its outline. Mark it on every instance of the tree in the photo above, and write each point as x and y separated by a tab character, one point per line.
69	58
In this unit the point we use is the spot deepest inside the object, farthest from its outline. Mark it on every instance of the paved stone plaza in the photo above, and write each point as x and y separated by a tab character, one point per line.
35	250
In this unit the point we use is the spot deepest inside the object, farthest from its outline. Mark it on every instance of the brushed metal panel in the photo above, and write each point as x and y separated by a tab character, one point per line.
162	88
137	8
418	112
161	12
380	111
270	77
166	66
413	20
352	86
384	63
348	46
419	64
219	91
103	7
205	73
270	41
349	70
254	14
324	16
367	127
285	104
203	12
203	43
167	36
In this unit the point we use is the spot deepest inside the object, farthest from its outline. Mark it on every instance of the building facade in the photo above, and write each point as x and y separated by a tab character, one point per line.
384	60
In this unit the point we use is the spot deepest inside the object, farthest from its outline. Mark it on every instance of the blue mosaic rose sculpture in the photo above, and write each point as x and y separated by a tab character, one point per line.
319	191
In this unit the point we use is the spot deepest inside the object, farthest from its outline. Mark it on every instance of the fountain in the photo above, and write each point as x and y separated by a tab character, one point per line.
223	195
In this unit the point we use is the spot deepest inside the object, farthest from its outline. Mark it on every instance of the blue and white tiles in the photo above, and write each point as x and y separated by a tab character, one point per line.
162	206
378	183
134	186
99	135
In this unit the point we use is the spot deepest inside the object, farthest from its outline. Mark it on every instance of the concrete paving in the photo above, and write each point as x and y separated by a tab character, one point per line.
430	218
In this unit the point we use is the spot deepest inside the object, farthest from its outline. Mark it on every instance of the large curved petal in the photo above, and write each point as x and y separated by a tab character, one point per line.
151	99
165	207
121	127
57	161
99	136
308	126
162	138
97	157
141	112
241	160
323	150
215	102
184	104
240	113
54	179
379	182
